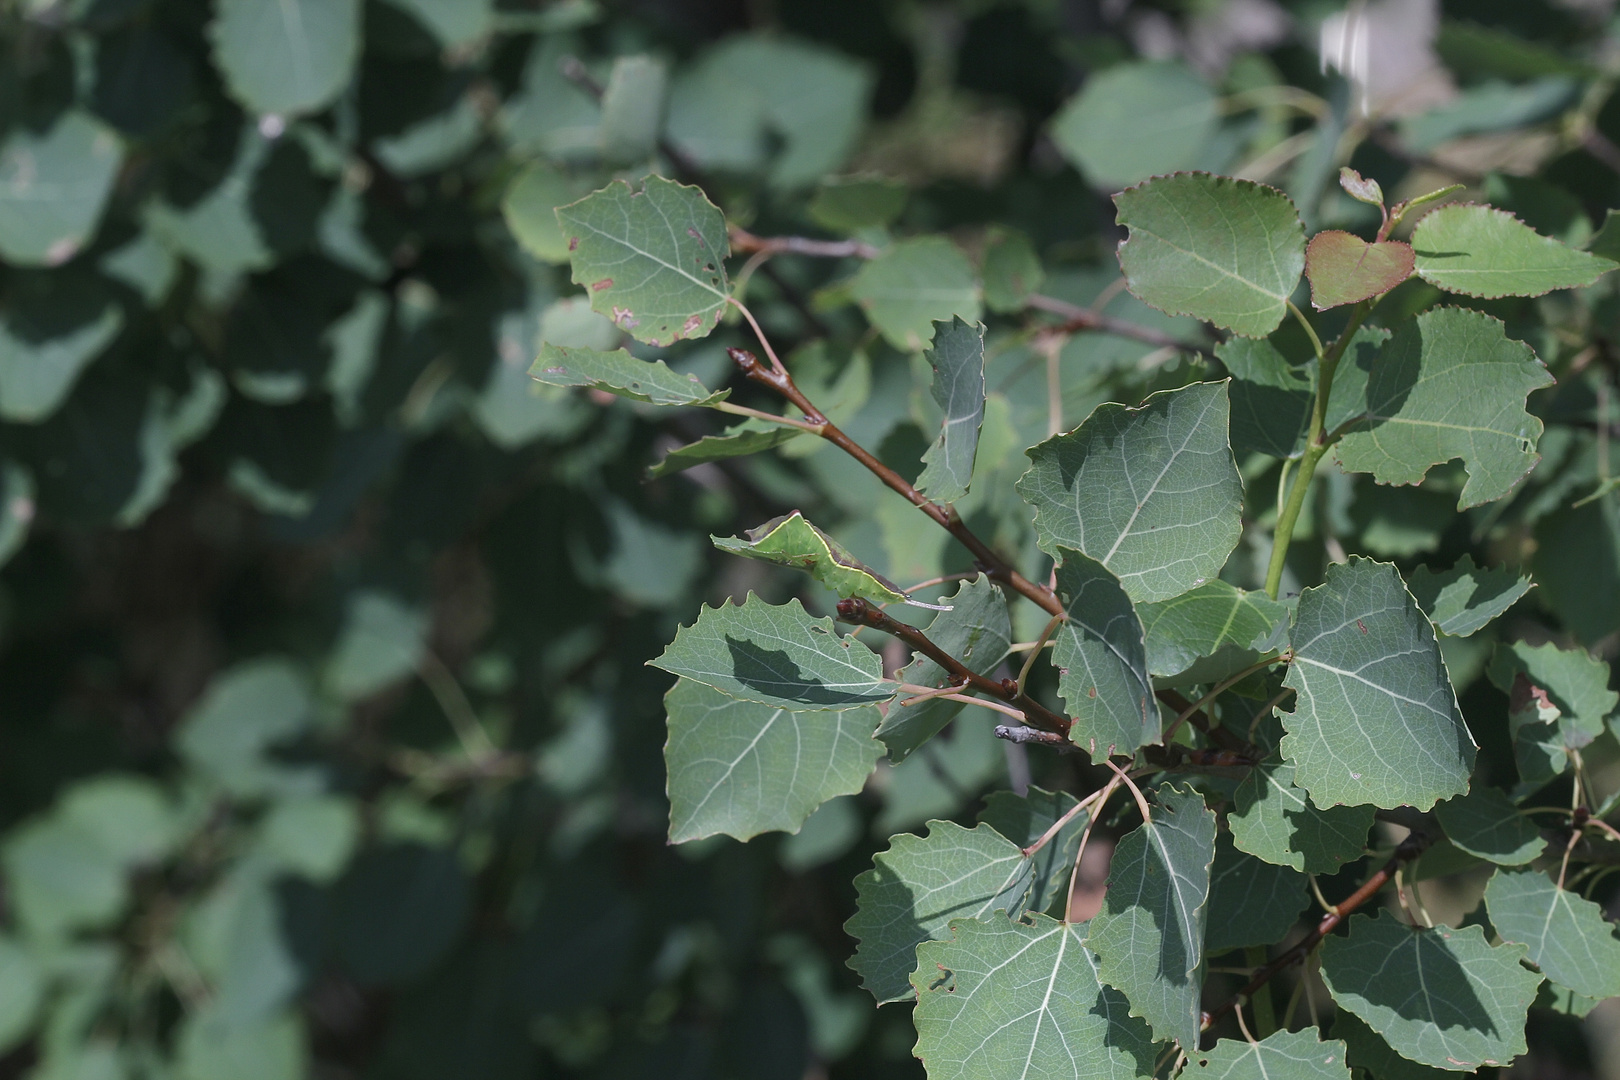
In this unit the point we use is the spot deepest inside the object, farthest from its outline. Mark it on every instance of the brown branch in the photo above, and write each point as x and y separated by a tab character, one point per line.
1414	845
996	567
743	240
858	611
1077	318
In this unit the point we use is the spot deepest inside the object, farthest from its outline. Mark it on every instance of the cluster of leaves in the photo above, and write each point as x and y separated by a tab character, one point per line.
331	747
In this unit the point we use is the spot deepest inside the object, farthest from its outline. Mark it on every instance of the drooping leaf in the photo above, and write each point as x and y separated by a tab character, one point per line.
1271	398
1250	902
790	540
999	998
1343	268
775	655
652	260
1149	935
1226	251
619	373
918	885
741	768
914	284
1464	599
53	187
1151	493
976	630
1567	935
1012	270
1100	652
1485	252
1442	997
1486	824
1562	999
1132	121
1024	819
1282	1055
1216	623
748	437
286	57
1274	820
1376	720
958	389
1450	384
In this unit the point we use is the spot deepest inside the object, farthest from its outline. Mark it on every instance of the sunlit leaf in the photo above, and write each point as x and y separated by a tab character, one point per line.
1568	936
1283	1055
619	373
1485	252
1343	268
790	540
958	389
1464	599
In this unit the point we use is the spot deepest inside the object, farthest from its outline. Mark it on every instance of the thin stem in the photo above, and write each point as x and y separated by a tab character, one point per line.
475	741
743	410
1058	825
1136	792
1220	688
1310	331
743	240
1265	710
1074	873
1078	318
1316	891
1035	650
928	694
983	704
765	343
1282	485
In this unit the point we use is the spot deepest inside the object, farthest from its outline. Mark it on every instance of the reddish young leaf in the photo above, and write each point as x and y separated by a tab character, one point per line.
1344	268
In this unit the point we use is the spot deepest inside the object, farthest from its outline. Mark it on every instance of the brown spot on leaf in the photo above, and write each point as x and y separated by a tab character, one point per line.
605	283
693	324
573	243
624	318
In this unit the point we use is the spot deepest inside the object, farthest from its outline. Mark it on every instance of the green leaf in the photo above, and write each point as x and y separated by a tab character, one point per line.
1562	999
382	642
246	711
914	284
790	540
398	912
1012	270
453	22
849	204
22	990
1575	681
653	260
1485	252
976	630
1152	493
1567	935
1219	624
1250	902
1024	820
918	885
1493	105
632	108
1486	824
958	389
61	879
619	373
53	187
1132	121
1226	251
1274	820
1343	268
1450	384
312	836
286	57
1440	997
1271	398
209	1046
1464	599
1376	721
1283	1055
1149	935
775	655
530	209
1001	996
741	768
1100	652
1371	1054
1606	242
748	437
37	375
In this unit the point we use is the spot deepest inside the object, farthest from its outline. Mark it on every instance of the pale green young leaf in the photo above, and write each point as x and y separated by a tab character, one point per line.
1450	384
976	630
210	1045
1282	1055
1274	820
1024	819
1250	902
652	260
742	768
1151	493
918	885
1567	935
1376	720
1441	997
1464	599
999	998
775	655
1226	251
1132	121
53	187
286	57
1100	652
619	373
1012	270
1212	631
914	284
740	440
1486	824
632	108
1149	935
958	389
1485	252
790	540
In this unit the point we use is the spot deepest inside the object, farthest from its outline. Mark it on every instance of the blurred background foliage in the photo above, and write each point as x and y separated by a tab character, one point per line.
326	745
